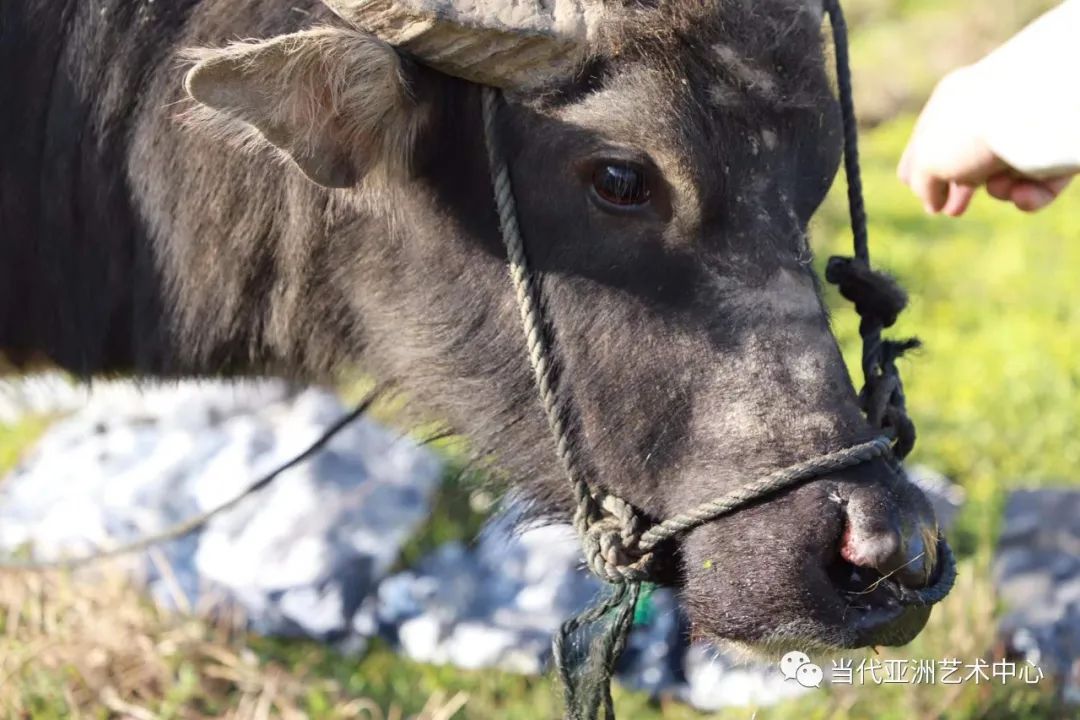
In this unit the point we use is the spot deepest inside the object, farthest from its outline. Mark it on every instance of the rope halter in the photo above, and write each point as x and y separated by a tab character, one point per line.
617	541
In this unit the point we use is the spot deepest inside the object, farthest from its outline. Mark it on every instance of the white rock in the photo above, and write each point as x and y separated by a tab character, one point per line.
716	682
299	557
422	639
478	645
309	554
499	605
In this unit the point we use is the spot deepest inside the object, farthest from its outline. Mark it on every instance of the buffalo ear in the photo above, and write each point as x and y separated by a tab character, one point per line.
336	102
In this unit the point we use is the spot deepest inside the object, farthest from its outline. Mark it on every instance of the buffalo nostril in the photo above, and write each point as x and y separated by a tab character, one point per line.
874	549
904	555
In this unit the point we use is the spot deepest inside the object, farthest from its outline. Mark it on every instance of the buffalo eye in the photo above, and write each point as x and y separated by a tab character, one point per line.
620	184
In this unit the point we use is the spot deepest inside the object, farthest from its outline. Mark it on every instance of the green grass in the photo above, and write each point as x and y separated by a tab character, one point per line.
995	299
16	438
995	394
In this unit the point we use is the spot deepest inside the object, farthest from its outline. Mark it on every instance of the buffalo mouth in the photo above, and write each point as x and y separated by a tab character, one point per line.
847	563
861	609
872	612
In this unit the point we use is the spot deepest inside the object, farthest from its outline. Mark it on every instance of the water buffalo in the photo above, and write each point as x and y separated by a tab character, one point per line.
178	200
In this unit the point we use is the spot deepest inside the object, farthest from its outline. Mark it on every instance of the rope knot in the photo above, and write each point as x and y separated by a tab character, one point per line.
882	397
878	298
611	538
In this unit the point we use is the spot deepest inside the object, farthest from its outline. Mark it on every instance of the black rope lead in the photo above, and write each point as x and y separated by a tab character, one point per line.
878	298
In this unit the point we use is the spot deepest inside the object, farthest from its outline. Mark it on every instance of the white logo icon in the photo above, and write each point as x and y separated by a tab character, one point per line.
797	666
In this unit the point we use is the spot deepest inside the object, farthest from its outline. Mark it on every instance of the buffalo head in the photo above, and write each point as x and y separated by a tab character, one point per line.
667	156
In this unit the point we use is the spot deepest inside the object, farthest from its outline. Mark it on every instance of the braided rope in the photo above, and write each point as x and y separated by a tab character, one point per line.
882	395
768	485
606	524
852	169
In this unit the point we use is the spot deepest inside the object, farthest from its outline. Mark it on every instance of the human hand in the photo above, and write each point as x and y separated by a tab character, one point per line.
947	160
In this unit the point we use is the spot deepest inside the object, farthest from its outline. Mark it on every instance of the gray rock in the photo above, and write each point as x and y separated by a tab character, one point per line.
1037	575
297	558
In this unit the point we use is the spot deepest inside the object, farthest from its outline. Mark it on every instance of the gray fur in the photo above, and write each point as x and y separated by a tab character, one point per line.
694	339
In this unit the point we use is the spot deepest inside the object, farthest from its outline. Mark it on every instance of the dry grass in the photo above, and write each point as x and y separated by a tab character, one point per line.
71	648
991	286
